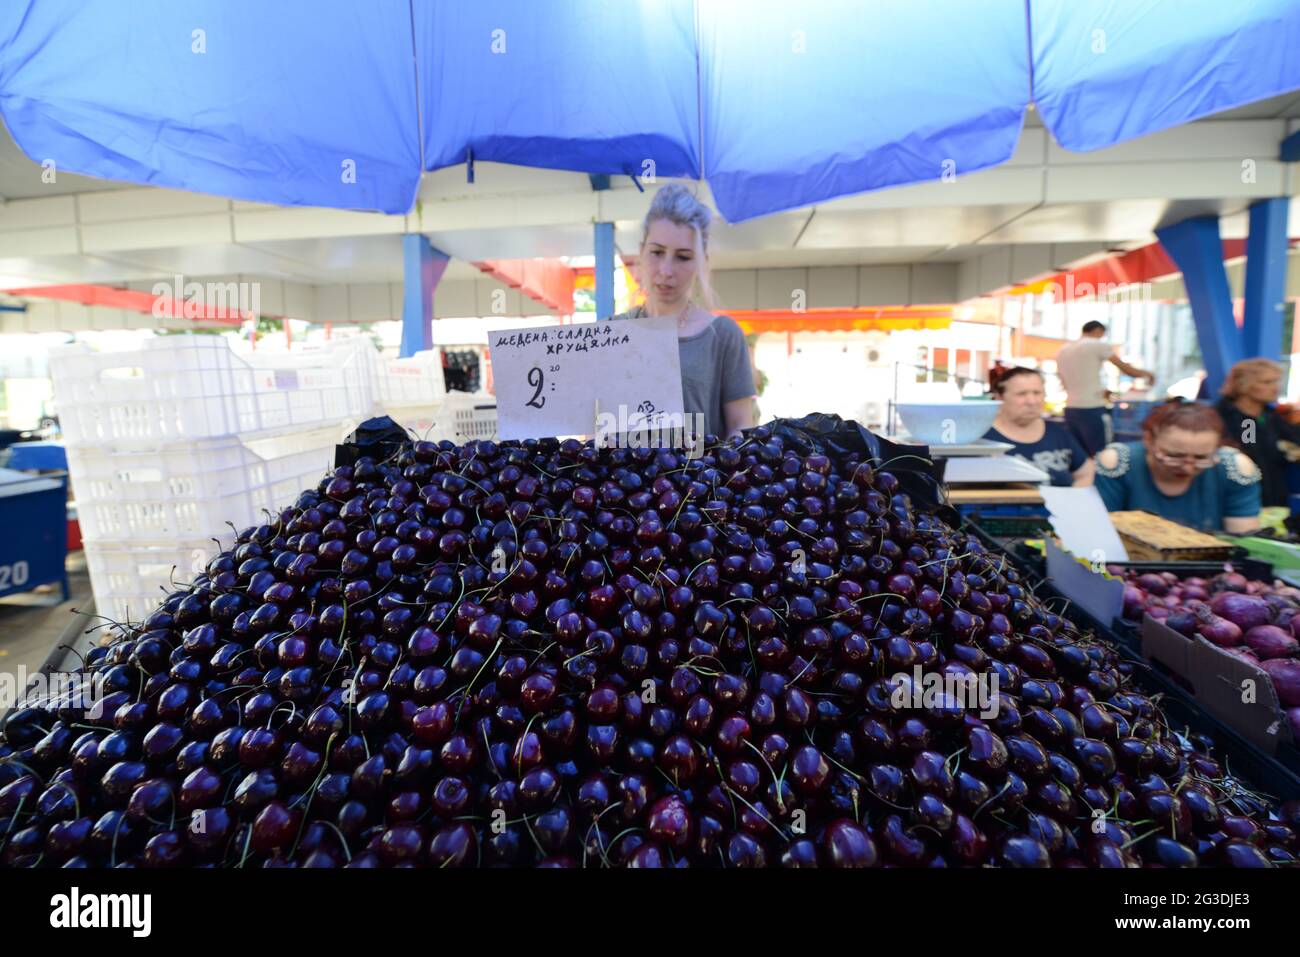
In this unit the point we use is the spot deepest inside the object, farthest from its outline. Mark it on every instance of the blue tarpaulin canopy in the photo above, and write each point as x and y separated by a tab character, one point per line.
777	105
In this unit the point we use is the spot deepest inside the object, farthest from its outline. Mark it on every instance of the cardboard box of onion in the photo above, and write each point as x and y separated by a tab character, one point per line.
1232	688
1213	660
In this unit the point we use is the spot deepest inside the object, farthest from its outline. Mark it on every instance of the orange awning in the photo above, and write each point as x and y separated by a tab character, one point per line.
135	301
548	281
1145	264
885	319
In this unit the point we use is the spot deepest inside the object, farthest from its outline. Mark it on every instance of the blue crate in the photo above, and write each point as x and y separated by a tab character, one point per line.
34	546
1127	417
37	457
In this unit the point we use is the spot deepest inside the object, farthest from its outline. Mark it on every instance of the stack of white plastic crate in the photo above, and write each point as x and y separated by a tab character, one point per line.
171	445
413	394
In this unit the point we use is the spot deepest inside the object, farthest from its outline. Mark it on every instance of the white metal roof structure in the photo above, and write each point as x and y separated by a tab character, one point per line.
942	242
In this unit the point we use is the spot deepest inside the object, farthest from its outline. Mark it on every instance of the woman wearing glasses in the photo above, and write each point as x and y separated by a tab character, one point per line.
1183	472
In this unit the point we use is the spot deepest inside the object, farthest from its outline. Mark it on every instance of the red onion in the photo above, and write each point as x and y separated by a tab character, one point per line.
1153	583
1183	622
1277	604
1135	600
1231	581
1285	673
1159	612
1219	631
1244	611
1194	591
1293	719
1270	641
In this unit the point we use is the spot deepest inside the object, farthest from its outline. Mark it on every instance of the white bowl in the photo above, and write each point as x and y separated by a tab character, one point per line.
948	423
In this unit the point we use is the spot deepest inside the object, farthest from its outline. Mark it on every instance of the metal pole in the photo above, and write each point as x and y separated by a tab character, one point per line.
423	266
604	249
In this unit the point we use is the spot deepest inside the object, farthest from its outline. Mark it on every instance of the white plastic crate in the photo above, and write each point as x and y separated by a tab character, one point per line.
460	417
415	381
188	388
131	580
181	489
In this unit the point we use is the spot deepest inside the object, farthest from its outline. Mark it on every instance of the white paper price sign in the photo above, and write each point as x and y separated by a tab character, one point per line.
587	379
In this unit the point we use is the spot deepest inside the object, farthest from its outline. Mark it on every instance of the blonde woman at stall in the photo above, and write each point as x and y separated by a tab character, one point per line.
673	270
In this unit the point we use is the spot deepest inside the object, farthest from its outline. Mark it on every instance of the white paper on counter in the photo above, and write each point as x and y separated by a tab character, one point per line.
1081	521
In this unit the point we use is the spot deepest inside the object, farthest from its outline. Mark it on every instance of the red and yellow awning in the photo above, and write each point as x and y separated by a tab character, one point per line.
884	319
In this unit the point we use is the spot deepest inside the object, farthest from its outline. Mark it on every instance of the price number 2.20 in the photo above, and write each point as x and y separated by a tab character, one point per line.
537	379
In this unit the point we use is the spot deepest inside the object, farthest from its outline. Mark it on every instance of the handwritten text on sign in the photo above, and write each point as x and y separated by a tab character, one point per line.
554	380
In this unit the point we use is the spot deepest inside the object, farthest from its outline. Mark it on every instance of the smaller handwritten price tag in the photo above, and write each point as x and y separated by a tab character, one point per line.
556	380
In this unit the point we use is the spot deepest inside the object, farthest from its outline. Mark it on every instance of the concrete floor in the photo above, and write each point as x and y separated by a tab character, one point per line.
32	623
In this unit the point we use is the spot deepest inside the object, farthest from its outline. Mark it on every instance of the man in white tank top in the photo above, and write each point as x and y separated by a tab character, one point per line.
1079	365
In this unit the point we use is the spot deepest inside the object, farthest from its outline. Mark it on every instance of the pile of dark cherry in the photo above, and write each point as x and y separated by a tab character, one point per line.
544	654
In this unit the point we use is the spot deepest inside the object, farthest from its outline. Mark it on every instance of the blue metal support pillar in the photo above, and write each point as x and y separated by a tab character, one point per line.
1197	249
1290	150
604	242
422	267
1266	257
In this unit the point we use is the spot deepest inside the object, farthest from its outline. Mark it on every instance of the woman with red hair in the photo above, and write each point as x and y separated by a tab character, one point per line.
1182	471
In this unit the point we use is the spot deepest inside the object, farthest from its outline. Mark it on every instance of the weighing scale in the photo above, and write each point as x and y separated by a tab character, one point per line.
981	472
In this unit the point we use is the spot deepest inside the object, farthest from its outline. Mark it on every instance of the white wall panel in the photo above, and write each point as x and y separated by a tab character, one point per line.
45	211
832	287
370	302
777	287
934	283
39	242
456	298
155	233
736	288
884	285
115	205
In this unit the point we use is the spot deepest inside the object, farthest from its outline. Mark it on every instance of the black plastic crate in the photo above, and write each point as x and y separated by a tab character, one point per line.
1027	560
1278	775
1011	526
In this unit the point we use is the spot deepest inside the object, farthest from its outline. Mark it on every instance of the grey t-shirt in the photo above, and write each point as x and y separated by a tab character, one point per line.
715	369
